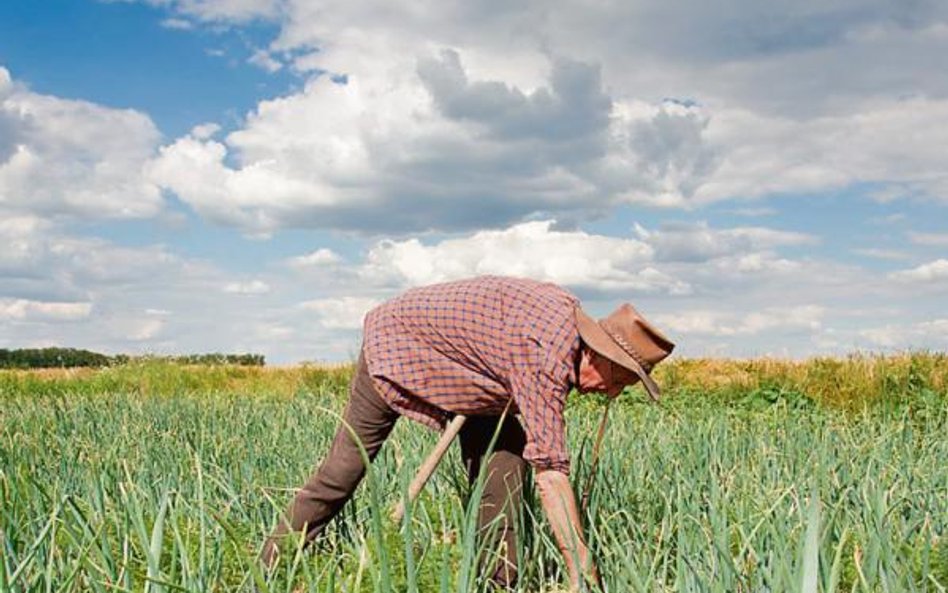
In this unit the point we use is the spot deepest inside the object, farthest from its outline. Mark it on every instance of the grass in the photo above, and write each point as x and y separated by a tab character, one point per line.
760	475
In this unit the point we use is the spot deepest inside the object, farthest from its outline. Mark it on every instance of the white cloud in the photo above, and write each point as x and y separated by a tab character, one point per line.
250	287
540	110
806	318
61	157
205	131
344	313
886	254
533	249
726	48
264	59
321	257
91	293
758	262
17	233
787	87
42	262
257	197
144	330
889	219
932	333
235	11
415	142
97	260
763	154
929	239
411	145
930	272
755	212
459	117
179	24
27	310
700	242
658	154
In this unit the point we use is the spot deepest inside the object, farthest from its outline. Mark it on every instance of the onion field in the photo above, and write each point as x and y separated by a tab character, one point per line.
827	475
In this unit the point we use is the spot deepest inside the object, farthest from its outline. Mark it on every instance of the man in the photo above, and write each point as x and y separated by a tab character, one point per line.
479	347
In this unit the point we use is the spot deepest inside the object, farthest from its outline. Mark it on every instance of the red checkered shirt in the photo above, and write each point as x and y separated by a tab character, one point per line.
467	347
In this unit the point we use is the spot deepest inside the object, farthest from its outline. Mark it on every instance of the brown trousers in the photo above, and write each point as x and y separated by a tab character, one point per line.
331	486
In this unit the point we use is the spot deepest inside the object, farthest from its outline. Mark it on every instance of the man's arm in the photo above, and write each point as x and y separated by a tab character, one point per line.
559	504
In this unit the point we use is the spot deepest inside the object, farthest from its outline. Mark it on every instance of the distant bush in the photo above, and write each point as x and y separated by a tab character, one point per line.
34	358
212	359
39	358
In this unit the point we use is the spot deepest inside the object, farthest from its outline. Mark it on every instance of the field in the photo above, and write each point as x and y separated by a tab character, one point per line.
752	476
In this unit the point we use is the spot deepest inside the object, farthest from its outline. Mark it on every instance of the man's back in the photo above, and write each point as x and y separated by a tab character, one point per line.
468	346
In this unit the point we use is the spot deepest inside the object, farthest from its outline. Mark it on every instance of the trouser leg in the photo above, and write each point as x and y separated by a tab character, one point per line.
503	489
331	486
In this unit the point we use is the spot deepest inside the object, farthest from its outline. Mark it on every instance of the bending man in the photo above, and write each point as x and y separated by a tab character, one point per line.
471	347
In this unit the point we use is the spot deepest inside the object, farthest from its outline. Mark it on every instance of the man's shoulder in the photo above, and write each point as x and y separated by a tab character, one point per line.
487	285
495	282
514	301
516	290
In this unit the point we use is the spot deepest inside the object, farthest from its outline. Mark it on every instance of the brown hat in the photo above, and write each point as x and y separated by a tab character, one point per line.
627	339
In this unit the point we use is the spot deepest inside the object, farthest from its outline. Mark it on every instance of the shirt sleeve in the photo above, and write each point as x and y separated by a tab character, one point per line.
543	374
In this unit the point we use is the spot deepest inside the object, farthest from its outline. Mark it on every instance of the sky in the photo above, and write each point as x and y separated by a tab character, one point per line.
757	178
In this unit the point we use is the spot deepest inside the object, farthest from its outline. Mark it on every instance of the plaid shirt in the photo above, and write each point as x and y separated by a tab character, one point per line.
467	347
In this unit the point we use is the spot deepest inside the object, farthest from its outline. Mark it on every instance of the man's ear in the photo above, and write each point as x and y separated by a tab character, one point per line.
585	356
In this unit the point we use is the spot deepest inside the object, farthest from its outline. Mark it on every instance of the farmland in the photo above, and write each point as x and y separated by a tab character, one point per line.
761	475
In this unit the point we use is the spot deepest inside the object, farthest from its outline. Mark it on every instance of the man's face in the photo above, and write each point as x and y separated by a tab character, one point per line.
599	374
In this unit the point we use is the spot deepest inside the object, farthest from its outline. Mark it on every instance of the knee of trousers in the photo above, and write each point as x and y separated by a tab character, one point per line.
505	574
326	490
500	562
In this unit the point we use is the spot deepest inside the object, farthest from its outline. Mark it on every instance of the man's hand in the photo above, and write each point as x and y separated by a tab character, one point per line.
559	504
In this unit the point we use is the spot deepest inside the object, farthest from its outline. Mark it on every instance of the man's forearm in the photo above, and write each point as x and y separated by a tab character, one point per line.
559	504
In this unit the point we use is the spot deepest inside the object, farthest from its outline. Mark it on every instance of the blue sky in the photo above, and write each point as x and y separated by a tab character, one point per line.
121	55
252	175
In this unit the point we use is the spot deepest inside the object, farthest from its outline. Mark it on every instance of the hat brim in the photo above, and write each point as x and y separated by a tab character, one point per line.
602	343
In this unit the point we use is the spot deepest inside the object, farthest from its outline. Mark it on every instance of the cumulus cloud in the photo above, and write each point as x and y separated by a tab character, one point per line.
930	272
699	242
205	131
178	24
764	155
534	249
651	265
80	291
229	11
63	157
321	257
27	310
929	239
264	59
249	287
658	154
340	313
458	117
143	329
445	116
195	170
573	106
422	145
911	335
886	254
43	262
647	41
807	318
17	234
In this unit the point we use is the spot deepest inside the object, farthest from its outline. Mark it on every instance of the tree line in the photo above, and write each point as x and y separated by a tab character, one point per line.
38	358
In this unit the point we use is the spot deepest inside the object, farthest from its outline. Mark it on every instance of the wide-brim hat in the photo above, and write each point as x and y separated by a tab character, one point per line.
627	339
